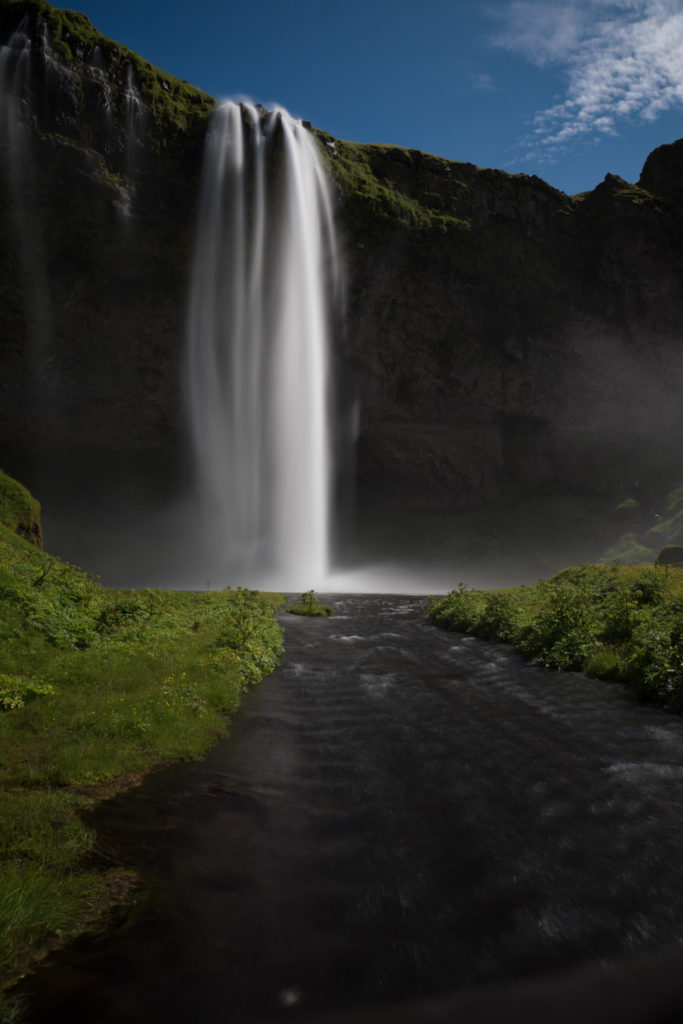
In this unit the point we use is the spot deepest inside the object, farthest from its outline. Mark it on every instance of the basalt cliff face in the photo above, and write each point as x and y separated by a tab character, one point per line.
99	156
497	331
504	332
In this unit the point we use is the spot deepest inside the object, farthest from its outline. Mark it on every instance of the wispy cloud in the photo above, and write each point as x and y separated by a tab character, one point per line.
623	59
483	82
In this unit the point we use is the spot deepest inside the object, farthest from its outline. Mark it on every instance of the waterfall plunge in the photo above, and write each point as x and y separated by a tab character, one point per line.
263	281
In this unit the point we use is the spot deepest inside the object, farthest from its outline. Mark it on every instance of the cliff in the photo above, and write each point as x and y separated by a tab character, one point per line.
499	334
99	197
505	332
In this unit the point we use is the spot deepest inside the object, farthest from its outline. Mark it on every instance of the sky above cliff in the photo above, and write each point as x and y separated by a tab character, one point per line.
565	89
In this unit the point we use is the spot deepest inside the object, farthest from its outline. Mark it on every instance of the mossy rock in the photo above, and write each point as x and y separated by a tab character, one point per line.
176	107
628	551
19	510
672	554
627	510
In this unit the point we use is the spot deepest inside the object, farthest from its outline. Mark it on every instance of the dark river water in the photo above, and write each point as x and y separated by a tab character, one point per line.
399	812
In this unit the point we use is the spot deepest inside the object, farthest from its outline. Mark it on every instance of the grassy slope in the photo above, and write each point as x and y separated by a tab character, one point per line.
19	510
611	622
97	686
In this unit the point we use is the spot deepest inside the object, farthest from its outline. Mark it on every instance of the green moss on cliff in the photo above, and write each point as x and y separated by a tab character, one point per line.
174	104
489	226
380	181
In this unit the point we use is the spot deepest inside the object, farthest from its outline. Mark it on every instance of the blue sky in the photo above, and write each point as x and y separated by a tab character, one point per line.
565	89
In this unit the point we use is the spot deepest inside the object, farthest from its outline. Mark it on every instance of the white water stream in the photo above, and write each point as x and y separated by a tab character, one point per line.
264	274
14	64
18	166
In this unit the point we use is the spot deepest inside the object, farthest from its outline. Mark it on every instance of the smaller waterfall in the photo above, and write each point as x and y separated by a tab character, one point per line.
18	167
14	70
132	113
264	274
133	120
97	72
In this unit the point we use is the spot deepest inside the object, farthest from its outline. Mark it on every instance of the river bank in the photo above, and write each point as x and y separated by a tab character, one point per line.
614	622
97	688
399	812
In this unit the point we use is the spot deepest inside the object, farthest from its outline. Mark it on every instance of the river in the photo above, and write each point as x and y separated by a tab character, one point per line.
399	812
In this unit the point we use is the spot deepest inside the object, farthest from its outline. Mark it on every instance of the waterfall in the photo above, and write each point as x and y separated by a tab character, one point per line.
263	280
97	72
18	172
14	71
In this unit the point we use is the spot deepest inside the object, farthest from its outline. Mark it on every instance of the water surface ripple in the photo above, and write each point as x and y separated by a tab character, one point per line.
399	811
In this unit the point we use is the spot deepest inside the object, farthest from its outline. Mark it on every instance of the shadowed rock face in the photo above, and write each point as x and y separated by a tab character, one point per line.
514	347
98	195
497	331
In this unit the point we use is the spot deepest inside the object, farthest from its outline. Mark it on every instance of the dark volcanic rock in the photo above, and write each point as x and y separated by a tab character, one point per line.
663	170
503	332
99	191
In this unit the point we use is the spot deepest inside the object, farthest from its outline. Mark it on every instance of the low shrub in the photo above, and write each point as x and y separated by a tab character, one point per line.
461	610
611	622
16	691
603	664
308	604
655	661
563	634
499	619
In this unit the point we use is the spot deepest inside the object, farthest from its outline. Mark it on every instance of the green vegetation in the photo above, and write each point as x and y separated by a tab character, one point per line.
174	104
308	604
96	687
634	193
383	182
611	622
438	213
19	510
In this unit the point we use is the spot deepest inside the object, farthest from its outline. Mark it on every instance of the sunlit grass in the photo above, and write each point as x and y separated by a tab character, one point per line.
97	686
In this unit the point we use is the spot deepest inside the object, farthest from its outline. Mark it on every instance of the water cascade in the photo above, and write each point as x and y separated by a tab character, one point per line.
97	72
14	67
133	120
18	60
263	283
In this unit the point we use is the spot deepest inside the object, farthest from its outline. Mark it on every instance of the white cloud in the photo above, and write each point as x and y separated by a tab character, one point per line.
483	82
540	32
623	59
